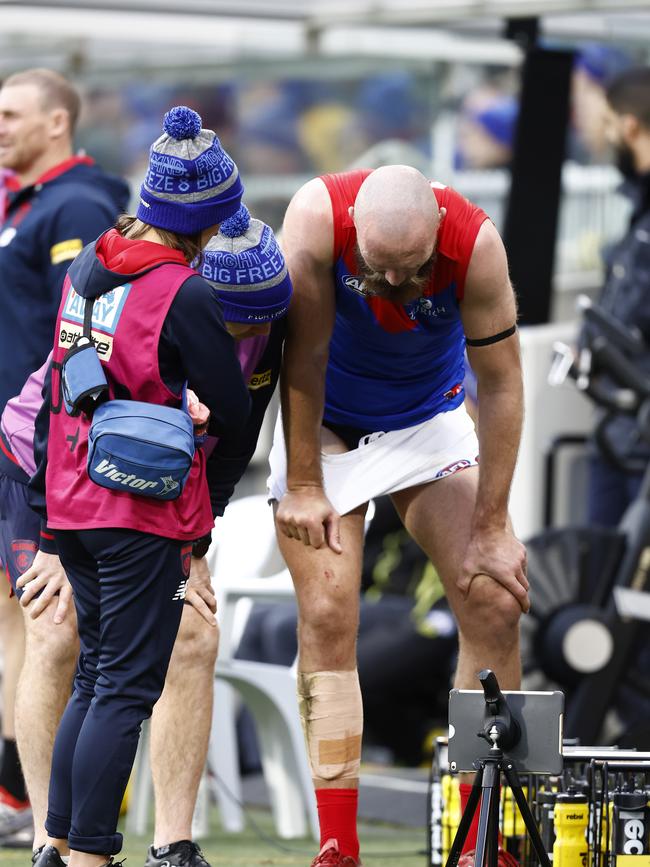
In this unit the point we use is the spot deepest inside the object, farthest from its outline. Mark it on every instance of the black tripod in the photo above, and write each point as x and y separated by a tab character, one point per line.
502	731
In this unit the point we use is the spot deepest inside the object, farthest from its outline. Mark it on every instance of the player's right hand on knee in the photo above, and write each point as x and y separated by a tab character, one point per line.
307	515
44	580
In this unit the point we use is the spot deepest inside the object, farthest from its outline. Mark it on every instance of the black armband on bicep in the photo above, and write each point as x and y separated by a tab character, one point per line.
486	341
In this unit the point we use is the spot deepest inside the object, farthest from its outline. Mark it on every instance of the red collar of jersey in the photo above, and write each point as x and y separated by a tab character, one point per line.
10	182
61	168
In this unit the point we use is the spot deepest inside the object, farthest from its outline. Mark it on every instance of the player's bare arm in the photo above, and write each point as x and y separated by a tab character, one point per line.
489	313
304	512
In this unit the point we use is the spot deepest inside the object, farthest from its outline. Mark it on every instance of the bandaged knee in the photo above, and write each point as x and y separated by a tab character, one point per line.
331	713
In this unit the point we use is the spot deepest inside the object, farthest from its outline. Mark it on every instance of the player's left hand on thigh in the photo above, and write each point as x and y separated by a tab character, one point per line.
497	553
44	579
199	592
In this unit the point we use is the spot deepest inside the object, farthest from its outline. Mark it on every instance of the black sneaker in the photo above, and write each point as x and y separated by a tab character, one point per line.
47	856
184	853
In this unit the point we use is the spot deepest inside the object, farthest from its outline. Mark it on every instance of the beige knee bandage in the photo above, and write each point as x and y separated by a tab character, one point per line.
332	720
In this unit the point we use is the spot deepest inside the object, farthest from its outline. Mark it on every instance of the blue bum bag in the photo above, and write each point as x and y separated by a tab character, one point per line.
141	448
134	447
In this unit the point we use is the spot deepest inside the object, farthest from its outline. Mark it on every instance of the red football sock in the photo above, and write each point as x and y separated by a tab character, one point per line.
470	840
337	815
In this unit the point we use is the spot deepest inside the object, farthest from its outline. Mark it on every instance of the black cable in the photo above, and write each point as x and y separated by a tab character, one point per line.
273	841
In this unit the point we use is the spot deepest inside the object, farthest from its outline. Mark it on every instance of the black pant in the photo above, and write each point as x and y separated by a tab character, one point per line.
128	590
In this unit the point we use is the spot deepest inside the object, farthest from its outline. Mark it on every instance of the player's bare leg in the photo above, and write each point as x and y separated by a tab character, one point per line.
44	688
327	590
438	516
182	716
15	813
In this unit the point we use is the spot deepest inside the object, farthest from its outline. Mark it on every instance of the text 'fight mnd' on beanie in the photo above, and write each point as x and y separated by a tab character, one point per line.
245	265
191	183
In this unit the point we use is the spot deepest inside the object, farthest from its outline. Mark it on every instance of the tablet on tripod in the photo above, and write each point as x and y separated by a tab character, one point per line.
538	714
499	734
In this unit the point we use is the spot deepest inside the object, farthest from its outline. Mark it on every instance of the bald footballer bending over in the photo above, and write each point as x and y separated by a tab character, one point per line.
393	276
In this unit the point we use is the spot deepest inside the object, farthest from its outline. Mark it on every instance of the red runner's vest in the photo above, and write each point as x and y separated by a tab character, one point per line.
126	325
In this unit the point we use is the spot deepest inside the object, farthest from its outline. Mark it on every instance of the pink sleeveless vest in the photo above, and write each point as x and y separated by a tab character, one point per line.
126	325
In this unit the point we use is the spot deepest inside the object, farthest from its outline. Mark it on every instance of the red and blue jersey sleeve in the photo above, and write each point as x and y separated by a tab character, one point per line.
456	238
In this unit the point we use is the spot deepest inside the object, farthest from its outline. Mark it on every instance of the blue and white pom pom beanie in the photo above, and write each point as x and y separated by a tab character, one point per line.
191	183
245	265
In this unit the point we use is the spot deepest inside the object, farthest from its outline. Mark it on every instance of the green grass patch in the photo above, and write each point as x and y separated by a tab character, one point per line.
381	844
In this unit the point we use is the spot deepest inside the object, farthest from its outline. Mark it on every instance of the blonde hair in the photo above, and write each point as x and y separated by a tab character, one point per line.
56	91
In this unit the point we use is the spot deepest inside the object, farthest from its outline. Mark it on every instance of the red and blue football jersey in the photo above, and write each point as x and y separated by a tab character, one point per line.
392	365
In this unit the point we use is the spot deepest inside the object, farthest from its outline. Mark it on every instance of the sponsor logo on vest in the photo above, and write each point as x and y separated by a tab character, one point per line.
69	334
107	308
129	480
259	380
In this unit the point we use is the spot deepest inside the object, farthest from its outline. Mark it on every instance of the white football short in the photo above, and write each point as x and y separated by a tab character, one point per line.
387	462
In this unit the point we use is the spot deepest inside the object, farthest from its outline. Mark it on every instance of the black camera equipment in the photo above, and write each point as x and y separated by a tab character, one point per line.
502	732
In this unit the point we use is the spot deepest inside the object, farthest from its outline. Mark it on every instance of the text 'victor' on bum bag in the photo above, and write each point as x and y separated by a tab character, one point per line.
134	447
141	448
